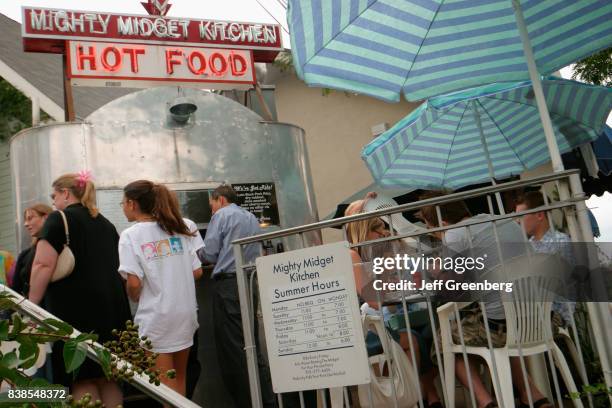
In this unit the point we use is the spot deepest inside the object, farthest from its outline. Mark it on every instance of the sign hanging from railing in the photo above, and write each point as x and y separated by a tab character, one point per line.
142	66
312	319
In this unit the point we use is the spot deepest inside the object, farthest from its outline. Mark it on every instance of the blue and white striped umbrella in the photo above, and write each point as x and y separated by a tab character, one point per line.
450	141
425	48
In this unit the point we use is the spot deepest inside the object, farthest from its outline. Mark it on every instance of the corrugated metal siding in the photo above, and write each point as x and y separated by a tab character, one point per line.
7	214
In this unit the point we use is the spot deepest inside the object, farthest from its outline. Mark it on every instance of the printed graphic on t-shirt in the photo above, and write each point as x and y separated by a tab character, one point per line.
176	245
162	248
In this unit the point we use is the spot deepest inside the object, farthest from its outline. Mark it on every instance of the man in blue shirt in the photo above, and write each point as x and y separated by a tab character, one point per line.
228	223
545	239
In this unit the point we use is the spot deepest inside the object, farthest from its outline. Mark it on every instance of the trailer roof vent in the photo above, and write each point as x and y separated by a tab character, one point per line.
181	109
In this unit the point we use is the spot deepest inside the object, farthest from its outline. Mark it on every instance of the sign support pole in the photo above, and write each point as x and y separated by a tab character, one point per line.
68	99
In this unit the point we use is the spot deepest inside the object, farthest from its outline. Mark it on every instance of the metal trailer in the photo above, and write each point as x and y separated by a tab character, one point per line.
190	140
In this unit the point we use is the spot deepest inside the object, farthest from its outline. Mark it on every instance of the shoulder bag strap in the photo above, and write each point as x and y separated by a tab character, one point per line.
65	227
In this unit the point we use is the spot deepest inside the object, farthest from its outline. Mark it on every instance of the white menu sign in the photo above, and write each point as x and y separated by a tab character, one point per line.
312	319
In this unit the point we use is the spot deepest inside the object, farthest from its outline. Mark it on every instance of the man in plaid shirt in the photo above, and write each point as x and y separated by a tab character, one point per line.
545	239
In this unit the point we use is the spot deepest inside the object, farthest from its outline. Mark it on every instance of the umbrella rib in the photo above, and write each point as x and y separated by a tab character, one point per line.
501	132
323	46
550	112
450	149
415	137
416	54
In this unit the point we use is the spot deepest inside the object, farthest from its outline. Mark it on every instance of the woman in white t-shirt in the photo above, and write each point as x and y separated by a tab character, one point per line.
157	257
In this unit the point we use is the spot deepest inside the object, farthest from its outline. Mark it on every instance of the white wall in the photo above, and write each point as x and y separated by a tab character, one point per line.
338	125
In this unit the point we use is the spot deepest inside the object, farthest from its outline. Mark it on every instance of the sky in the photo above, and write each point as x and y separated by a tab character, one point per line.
257	11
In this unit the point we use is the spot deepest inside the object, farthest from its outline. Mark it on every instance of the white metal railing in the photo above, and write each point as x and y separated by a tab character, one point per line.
571	204
161	393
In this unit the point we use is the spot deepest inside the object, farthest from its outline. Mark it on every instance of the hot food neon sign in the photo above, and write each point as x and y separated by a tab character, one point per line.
105	49
108	64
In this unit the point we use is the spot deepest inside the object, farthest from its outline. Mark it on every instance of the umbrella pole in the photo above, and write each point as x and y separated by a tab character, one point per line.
598	323
551	140
498	198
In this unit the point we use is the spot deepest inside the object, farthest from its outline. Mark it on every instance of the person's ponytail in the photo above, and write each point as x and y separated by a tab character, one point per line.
166	212
88	200
160	203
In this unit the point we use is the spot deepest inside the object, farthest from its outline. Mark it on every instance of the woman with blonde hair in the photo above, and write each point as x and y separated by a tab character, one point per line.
372	229
34	218
92	298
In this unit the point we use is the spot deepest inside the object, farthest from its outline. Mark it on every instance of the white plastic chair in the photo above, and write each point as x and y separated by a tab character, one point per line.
565	336
528	325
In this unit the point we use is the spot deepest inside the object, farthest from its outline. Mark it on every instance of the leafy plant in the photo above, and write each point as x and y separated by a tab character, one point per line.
120	359
16	112
596	69
284	62
599	392
596	387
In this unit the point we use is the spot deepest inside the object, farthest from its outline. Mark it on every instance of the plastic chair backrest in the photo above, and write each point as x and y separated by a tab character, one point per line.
535	281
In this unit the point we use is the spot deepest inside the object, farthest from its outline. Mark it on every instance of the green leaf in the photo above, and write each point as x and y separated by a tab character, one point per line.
104	358
10	360
27	347
63	328
28	363
17	324
22	380
74	355
39	382
28	351
6	304
86	336
45	339
4	326
10	374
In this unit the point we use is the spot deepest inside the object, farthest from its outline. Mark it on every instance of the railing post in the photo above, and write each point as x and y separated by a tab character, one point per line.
250	345
599	312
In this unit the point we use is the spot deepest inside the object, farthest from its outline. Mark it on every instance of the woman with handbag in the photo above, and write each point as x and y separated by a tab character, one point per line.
75	271
159	261
34	216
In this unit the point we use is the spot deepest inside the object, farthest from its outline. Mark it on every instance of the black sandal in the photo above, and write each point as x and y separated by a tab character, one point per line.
536	404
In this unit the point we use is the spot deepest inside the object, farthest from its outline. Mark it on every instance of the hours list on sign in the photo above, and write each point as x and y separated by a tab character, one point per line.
318	321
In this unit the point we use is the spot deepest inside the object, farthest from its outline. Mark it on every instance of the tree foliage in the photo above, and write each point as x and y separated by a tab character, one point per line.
596	69
120	359
284	61
15	110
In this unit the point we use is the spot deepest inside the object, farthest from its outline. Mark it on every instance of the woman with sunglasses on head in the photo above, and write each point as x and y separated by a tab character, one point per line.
91	298
158	259
372	229
34	218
